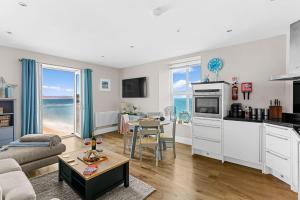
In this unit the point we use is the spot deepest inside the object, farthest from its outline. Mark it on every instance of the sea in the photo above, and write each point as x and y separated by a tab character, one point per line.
58	111
61	111
180	105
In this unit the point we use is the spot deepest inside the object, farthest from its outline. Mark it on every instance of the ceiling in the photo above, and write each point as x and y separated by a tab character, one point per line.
122	33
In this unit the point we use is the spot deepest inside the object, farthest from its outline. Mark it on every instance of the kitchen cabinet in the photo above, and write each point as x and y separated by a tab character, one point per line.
278	157
242	143
206	138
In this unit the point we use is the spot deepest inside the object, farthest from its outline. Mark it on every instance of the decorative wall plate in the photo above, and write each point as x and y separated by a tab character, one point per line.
215	65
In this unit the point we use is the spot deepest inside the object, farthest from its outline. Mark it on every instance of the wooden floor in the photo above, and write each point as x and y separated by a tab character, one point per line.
193	177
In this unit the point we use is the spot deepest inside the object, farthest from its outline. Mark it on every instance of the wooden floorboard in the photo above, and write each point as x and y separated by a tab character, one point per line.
192	177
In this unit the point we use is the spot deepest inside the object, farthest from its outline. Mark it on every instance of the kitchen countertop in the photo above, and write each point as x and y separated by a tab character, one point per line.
210	82
278	122
242	119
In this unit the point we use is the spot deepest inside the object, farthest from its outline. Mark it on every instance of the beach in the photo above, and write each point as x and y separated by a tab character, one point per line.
58	116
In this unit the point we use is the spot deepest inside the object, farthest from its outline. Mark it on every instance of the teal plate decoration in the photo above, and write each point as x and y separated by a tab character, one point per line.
215	65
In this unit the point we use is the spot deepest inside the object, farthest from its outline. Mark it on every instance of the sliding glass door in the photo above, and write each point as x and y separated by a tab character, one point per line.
77	104
60	101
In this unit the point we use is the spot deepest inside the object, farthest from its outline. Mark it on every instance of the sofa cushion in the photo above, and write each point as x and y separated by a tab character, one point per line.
16	186
9	165
52	139
28	154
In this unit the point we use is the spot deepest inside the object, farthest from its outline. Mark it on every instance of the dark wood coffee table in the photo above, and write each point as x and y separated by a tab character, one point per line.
110	174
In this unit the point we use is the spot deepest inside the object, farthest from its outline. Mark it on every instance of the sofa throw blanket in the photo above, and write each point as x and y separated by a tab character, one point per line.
17	143
53	140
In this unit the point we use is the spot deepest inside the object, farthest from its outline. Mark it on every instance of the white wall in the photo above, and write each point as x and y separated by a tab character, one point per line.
254	61
10	69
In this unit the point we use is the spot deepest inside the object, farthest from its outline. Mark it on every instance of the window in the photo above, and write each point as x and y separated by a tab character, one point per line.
182	93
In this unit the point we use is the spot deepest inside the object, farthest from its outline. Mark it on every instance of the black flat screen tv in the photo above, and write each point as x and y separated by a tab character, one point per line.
134	88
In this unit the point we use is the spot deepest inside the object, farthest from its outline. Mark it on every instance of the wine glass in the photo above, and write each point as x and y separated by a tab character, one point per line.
99	141
87	141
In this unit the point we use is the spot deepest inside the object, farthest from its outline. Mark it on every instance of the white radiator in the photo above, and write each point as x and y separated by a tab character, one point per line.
105	122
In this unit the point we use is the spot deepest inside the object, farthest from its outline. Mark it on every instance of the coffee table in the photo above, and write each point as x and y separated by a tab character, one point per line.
110	173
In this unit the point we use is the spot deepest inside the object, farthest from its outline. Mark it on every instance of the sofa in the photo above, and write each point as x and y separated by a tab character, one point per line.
30	158
14	185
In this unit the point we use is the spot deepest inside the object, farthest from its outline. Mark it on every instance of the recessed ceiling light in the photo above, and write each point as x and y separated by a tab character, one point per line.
158	11
9	32
229	30
22	4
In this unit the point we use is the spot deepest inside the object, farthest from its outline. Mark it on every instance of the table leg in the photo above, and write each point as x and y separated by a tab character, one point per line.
133	142
126	174
59	171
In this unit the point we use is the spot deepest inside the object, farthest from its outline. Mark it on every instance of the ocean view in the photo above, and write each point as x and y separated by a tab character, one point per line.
180	104
58	114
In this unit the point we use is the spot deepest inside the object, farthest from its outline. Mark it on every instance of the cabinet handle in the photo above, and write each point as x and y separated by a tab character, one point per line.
207	139
276	136
275	154
206	125
210	119
277	127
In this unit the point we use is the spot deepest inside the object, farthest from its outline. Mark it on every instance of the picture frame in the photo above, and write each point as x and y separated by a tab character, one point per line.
105	85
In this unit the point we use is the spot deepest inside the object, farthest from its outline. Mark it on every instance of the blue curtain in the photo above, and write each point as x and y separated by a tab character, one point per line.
87	100
29	112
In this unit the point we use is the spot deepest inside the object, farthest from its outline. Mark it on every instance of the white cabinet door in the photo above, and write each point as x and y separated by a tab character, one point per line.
204	131
242	141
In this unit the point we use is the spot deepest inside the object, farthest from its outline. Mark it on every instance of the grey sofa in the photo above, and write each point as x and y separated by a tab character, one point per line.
14	184
31	158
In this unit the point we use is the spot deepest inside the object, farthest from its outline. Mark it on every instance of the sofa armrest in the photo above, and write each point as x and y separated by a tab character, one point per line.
9	165
21	193
0	193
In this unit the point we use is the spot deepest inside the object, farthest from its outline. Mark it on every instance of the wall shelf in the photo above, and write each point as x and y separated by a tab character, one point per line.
7	133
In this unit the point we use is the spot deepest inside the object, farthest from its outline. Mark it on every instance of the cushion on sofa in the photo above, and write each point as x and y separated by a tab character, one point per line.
9	165
28	154
16	186
53	139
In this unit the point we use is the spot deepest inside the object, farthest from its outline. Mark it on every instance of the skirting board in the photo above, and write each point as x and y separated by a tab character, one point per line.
183	140
243	163
103	130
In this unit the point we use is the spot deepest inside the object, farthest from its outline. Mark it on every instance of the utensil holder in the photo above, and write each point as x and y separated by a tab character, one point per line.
275	112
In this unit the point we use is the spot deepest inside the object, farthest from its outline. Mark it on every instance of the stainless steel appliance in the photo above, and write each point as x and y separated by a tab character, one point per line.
207	103
294	55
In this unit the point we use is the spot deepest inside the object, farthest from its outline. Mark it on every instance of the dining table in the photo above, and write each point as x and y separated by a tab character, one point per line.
136	125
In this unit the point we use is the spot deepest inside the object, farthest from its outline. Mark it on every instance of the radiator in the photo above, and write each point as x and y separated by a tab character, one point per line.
105	122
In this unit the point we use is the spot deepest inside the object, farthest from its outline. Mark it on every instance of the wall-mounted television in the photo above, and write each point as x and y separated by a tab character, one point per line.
134	88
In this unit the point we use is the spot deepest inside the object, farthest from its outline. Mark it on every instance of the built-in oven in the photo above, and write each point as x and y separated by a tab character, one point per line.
207	103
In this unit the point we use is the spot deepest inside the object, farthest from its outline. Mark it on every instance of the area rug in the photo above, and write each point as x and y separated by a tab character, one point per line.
48	187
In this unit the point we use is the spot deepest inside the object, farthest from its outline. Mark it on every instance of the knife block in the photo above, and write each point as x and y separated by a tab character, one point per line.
275	112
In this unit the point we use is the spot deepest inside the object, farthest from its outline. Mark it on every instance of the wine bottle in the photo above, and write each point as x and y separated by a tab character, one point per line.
94	142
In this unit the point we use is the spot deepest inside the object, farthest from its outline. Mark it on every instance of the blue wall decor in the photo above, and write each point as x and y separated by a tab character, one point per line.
215	65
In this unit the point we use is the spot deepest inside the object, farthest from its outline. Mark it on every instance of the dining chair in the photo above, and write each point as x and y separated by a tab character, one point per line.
154	115
149	137
167	139
125	130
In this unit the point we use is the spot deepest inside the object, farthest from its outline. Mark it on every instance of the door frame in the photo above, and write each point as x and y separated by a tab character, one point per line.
40	94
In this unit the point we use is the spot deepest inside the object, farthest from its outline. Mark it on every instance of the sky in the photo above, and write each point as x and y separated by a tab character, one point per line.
58	83
179	77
